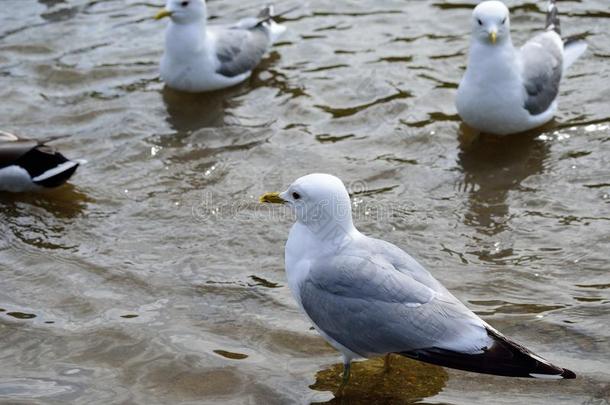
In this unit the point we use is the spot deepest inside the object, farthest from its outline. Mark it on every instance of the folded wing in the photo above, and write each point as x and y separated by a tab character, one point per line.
239	50
368	306
380	302
542	67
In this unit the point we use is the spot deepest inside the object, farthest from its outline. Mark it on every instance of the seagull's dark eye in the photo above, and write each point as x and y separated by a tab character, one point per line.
479	21
503	20
184	3
296	196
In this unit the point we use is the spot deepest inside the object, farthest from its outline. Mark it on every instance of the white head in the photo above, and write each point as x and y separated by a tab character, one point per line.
319	201
491	22
184	11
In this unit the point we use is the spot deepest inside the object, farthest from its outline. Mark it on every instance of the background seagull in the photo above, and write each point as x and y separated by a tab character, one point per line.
200	57
368	298
507	90
29	165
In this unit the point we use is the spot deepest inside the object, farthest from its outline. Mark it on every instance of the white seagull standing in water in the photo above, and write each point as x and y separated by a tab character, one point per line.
507	90
199	57
369	298
29	165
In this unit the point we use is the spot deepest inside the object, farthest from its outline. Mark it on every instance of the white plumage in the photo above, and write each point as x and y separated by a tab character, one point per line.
368	298
199	57
507	90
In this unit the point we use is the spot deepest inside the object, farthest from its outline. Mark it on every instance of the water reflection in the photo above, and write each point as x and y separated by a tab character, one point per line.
51	3
188	112
267	76
41	219
408	381
60	14
492	167
63	202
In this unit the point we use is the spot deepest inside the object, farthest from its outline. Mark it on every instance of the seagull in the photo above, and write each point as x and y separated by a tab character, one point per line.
507	90
199	57
369	298
29	165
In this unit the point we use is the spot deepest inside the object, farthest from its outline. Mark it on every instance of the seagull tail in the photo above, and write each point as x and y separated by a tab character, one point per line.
552	18
573	48
267	18
503	357
268	12
275	30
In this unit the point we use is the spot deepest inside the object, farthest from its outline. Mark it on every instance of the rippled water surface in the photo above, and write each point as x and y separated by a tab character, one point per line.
155	277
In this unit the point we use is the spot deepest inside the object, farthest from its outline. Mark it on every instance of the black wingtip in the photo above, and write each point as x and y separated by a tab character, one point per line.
268	13
552	18
503	357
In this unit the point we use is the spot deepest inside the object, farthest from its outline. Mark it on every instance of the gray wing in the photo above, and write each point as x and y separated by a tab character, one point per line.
404	263
240	50
542	59
367	305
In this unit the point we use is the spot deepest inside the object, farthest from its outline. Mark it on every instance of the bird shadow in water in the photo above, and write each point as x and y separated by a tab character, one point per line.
64	202
492	167
407	381
41	219
188	112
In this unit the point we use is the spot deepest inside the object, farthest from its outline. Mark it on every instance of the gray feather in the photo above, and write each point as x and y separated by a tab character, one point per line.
367	304
240	50
542	69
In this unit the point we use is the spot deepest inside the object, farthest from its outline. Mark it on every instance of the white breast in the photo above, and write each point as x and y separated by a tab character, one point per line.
491	96
300	243
296	260
189	62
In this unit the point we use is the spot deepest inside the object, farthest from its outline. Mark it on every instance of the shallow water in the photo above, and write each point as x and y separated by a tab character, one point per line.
157	278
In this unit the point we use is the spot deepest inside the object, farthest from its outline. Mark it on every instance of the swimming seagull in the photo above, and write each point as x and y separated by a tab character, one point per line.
28	165
199	57
369	298
507	90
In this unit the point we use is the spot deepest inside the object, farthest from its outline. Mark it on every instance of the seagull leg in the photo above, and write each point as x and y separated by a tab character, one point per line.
386	363
346	373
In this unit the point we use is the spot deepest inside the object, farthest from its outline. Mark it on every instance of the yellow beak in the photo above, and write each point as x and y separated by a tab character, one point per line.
273	198
162	14
493	37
